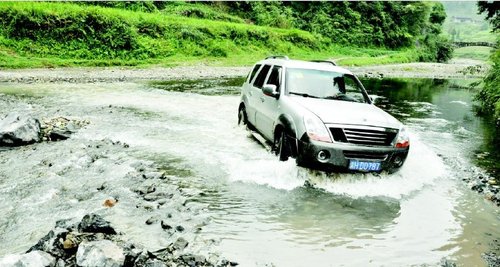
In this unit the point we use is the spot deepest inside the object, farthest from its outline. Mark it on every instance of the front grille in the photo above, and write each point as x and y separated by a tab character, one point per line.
365	155
363	136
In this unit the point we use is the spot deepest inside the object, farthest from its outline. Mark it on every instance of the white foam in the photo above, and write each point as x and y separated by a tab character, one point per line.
422	167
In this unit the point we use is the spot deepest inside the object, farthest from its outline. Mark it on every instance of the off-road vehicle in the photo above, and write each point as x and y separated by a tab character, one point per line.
321	115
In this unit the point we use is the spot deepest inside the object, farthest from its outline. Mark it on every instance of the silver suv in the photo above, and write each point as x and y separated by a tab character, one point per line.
321	115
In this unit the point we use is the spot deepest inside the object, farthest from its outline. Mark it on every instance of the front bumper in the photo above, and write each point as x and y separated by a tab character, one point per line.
340	154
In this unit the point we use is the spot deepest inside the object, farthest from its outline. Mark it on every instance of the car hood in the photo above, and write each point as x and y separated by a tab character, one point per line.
344	112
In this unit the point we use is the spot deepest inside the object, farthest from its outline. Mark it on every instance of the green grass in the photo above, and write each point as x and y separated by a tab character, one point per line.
473	52
49	34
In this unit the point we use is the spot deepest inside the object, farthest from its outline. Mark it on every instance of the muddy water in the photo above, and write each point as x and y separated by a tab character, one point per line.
256	210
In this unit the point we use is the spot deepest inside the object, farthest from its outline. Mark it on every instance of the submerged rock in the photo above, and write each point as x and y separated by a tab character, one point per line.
33	259
19	129
99	253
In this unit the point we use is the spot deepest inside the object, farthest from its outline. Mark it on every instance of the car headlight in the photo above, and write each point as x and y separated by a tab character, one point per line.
403	140
316	129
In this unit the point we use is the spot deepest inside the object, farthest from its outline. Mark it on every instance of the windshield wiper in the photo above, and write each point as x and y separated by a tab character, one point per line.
342	97
303	94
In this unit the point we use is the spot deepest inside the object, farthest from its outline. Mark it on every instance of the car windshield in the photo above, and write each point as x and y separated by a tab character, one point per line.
325	84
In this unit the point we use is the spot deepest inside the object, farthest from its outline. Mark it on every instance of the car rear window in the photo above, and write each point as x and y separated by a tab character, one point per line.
254	71
261	77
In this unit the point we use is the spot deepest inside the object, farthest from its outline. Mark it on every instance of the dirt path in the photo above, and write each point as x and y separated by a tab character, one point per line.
455	69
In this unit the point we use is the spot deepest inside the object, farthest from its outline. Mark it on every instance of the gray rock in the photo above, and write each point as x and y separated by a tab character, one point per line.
154	263
33	259
93	223
50	243
180	244
18	129
99	253
59	134
151	220
193	260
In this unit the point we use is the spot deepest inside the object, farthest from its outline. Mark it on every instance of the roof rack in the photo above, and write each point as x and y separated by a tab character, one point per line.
325	61
278	56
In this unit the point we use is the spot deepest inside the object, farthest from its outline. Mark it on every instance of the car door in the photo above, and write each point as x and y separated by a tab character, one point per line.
269	107
256	96
248	92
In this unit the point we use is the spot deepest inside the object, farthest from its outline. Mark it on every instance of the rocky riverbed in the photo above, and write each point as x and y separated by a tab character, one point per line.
94	242
53	158
164	174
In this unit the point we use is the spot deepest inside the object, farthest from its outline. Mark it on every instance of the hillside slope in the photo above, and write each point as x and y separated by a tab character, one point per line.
45	34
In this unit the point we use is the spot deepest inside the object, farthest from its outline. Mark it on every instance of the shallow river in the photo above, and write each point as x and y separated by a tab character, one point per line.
259	211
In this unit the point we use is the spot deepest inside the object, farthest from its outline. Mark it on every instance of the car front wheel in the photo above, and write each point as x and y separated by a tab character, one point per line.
282	146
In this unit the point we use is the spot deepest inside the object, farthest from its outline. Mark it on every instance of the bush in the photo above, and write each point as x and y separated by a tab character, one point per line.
489	95
71	31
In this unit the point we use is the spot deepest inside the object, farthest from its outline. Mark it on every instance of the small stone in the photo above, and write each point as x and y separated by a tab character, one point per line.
147	206
154	263
152	175
180	244
70	242
492	182
157	196
110	202
152	220
193	260
102	187
165	226
489	196
179	228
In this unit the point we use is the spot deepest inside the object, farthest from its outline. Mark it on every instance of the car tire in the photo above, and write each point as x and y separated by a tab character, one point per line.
242	117
282	146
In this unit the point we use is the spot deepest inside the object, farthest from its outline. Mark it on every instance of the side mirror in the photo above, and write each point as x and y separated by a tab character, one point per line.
270	90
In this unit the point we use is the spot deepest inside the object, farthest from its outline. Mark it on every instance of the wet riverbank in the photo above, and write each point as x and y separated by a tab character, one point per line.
455	69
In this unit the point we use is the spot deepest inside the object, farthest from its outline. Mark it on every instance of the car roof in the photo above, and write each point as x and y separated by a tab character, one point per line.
291	63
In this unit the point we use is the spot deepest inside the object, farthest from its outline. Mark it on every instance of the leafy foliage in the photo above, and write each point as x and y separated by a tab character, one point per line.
492	10
490	93
111	33
73	31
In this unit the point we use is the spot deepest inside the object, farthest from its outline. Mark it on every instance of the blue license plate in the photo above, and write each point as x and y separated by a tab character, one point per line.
357	165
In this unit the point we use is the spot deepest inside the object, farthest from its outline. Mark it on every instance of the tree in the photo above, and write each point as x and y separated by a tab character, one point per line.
490	93
492	10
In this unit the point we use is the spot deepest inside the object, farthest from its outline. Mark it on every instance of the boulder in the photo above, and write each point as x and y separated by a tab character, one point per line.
19	129
100	253
50	243
93	223
33	259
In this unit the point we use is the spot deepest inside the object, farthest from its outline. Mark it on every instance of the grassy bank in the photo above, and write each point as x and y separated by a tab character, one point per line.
473	52
34	34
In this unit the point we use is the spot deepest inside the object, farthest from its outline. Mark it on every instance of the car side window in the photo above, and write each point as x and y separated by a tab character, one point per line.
254	71
259	81
275	76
